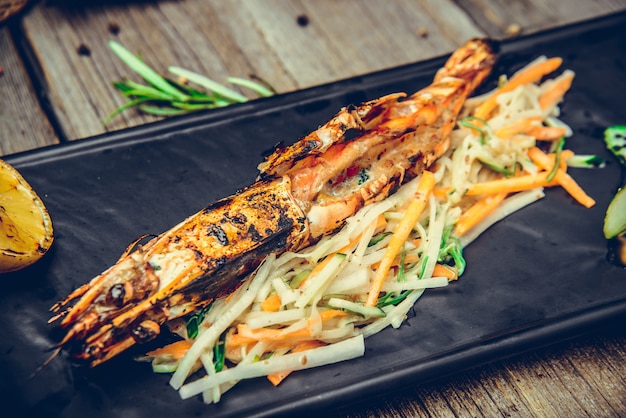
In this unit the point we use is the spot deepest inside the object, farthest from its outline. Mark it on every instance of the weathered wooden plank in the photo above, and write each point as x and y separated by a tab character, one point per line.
498	17
23	124
581	377
219	39
296	44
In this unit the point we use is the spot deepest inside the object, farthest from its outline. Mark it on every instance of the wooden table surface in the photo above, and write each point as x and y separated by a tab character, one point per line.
55	86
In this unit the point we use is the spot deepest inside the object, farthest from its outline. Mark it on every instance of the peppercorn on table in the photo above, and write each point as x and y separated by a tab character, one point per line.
57	75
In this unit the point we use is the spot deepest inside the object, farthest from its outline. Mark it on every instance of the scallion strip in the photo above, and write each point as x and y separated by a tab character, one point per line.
145	71
557	159
467	122
208	84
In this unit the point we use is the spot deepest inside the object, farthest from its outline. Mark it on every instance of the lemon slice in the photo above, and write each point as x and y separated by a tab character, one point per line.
25	225
615	219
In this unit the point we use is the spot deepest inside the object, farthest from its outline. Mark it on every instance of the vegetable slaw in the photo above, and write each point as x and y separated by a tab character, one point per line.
317	306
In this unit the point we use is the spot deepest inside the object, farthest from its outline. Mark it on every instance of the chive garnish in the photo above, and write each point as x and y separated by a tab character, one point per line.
467	122
163	96
557	159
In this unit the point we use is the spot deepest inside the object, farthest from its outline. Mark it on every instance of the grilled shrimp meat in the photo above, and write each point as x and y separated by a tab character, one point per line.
304	191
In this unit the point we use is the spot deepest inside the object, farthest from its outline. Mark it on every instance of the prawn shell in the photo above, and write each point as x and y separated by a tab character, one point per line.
218	246
239	231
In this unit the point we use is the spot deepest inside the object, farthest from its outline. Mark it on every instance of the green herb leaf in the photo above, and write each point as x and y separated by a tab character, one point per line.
128	105
378	238
392	299
452	250
219	353
194	321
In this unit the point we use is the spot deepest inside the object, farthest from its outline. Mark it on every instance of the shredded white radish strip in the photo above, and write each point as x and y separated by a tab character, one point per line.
507	207
316	285
260	319
208	338
333	353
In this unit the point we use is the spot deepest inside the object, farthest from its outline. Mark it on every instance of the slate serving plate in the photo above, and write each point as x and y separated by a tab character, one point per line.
535	278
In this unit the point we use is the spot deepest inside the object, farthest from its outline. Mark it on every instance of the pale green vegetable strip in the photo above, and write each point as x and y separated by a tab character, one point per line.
208	84
358	308
333	353
145	71
315	284
255	87
508	206
209	337
415	284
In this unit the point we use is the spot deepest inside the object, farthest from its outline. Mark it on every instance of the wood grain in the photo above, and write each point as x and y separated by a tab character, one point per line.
23	124
495	17
583	377
221	39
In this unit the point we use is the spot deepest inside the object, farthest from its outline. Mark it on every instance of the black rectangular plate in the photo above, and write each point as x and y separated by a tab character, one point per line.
535	278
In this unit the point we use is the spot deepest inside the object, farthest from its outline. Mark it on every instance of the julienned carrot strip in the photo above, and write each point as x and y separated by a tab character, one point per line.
271	304
401	233
547	133
270	334
276	378
478	211
519	127
176	350
237	340
327	314
565	180
512	184
316	270
531	74
441	192
245	335
566	154
557	90
444	271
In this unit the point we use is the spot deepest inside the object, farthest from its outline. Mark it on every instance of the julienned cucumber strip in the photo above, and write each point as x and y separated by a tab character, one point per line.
615	139
615	218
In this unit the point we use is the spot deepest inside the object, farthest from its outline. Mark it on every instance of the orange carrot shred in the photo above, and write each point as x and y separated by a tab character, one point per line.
512	184
531	74
445	271
272	303
177	350
545	162
276	378
519	127
479	211
556	91
547	133
401	233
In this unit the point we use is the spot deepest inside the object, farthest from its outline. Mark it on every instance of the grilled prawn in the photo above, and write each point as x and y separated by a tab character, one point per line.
303	192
